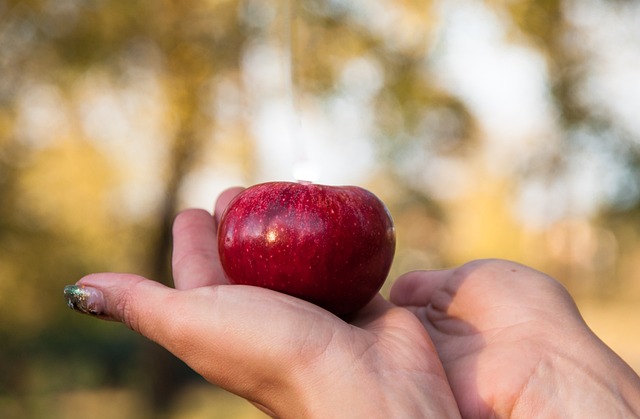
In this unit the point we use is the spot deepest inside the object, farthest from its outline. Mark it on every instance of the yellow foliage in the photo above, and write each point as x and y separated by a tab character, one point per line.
67	189
481	224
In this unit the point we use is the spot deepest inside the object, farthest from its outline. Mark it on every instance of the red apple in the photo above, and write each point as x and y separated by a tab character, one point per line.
330	245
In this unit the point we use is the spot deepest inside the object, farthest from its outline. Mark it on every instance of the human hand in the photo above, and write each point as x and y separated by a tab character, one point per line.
513	344
287	356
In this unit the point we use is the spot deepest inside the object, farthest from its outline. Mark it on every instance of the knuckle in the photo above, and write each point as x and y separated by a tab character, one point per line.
127	312
128	307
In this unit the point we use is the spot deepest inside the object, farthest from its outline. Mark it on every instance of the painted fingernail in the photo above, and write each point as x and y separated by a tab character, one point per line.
84	299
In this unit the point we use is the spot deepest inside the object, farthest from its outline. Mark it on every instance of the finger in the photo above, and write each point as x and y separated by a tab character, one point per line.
429	295
234	336
223	201
195	257
418	288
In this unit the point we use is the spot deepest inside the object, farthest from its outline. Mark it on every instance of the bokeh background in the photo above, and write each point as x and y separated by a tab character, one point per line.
496	128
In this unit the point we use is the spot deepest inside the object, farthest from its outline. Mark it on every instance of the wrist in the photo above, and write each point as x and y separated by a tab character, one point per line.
351	390
583	379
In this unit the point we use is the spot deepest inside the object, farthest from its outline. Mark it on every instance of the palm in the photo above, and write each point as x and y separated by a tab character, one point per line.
380	341
196	268
499	329
487	370
490	346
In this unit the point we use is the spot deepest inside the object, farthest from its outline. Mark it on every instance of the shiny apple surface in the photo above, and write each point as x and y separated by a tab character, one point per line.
330	245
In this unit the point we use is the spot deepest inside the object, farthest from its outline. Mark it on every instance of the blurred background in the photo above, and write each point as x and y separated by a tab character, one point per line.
496	128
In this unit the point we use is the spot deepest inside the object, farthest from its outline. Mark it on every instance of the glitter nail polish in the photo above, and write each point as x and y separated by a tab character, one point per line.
84	299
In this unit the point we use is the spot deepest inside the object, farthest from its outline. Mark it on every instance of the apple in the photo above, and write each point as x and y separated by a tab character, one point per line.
329	245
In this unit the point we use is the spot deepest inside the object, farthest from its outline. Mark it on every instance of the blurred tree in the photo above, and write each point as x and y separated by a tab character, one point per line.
107	108
585	128
58	191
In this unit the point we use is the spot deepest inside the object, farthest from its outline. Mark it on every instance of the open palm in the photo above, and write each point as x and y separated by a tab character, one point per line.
512	341
289	357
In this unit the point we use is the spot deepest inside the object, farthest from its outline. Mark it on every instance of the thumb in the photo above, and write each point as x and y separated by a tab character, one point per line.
417	288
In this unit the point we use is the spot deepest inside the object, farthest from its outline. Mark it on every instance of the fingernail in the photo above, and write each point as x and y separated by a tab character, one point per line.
84	299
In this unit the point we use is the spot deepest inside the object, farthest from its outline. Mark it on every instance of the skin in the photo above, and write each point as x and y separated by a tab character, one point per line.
513	344
289	357
498	338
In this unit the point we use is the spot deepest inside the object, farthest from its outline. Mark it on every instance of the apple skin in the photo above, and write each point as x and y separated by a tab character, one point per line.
330	245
